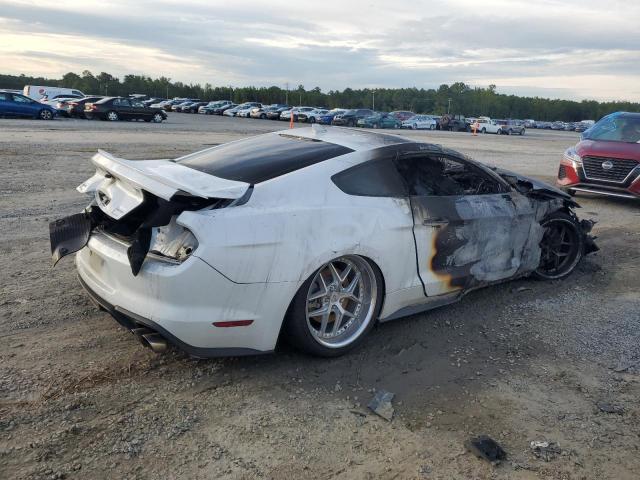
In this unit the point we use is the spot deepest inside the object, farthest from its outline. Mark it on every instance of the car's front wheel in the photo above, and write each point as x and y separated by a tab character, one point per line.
336	307
562	246
158	118
45	114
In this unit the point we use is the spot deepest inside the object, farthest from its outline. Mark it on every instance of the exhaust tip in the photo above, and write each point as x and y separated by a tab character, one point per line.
154	341
150	339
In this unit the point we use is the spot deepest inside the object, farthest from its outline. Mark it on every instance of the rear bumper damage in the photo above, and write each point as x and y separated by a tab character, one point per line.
184	303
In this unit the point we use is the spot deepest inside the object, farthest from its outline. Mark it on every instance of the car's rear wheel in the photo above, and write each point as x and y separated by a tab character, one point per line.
432	127
311	120
336	307
112	116
562	246
45	114
158	118
484	130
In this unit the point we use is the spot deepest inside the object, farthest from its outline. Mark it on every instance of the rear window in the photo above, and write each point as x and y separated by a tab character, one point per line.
263	157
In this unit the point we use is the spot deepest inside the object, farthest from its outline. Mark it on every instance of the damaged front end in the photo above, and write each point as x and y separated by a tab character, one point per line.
139	202
536	189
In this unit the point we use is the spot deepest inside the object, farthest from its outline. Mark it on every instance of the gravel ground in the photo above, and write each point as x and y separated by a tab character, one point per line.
521	362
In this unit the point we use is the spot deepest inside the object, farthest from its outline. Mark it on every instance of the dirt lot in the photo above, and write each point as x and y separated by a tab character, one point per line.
521	362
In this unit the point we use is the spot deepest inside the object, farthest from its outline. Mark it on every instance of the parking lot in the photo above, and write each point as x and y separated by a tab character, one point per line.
523	361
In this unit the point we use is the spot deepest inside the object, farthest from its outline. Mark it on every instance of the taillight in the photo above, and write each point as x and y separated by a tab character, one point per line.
172	242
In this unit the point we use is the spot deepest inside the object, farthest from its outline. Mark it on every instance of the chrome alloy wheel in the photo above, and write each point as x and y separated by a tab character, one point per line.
341	301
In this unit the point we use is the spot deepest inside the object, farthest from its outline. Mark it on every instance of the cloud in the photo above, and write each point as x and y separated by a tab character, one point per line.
569	49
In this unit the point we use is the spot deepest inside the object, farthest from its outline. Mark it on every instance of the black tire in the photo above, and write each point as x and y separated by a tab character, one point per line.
562	246
311	120
263	116
484	130
351	123
112	116
157	118
45	114
297	333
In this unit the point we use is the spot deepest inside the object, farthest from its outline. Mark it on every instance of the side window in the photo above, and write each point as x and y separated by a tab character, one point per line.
3	97
375	178
137	104
77	92
431	175
21	99
121	102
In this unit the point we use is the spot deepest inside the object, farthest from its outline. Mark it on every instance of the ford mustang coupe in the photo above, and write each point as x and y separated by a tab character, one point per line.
314	233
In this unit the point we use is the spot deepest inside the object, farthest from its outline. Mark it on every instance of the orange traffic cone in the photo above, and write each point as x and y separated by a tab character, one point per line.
291	121
475	129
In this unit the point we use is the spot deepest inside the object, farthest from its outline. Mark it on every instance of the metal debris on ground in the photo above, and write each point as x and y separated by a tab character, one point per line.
547	451
381	405
487	448
607	407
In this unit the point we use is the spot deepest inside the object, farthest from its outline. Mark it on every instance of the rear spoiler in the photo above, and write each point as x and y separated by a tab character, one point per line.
162	178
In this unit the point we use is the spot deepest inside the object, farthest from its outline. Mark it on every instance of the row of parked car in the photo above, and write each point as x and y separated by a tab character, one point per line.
566	126
47	102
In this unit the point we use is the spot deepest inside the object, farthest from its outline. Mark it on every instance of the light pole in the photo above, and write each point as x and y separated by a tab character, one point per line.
373	100
449	107
286	95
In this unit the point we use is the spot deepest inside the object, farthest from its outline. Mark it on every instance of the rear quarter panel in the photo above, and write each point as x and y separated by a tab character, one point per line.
292	225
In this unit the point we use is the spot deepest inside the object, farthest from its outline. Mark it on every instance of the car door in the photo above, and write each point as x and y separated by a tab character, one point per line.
6	105
470	228
123	107
138	110
25	106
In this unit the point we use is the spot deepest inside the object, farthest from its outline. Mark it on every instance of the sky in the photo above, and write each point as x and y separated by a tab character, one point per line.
573	49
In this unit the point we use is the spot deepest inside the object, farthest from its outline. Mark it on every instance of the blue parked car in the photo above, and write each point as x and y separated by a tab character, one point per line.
17	105
328	117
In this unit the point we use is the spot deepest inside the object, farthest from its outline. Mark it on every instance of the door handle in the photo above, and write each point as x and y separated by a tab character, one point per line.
435	222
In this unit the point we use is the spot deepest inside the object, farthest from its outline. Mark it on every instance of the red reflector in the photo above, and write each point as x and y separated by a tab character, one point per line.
233	323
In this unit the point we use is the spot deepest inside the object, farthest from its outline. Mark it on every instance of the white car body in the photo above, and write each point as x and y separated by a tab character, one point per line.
245	111
286	115
315	114
486	125
230	112
218	280
420	122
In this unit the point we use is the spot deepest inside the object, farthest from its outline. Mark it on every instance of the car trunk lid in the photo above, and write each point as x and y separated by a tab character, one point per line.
133	197
119	184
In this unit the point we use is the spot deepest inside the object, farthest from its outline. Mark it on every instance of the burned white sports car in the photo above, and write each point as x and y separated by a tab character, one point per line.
314	233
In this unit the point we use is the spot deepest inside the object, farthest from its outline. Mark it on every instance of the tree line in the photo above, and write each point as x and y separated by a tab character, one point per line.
457	98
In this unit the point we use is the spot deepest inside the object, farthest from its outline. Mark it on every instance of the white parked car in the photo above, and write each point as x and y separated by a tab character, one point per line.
286	115
318	235
486	125
245	109
312	116
231	112
420	122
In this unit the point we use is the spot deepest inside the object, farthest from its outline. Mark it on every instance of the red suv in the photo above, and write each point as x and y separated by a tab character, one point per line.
606	160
